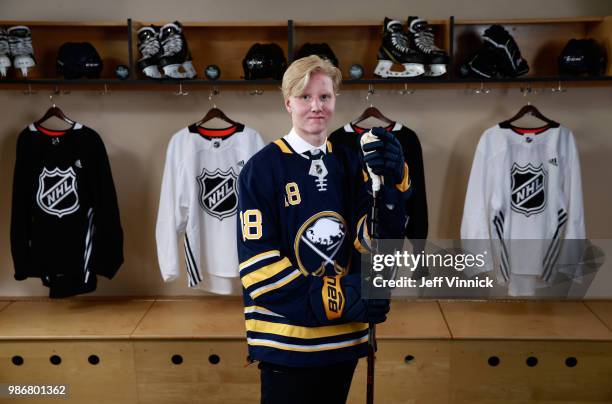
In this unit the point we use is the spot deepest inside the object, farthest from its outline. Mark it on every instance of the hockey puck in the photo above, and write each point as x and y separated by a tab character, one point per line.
212	72
356	72
122	72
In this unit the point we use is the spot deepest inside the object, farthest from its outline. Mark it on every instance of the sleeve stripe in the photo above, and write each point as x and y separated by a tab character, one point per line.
265	272
260	310
278	284
259	257
405	184
362	236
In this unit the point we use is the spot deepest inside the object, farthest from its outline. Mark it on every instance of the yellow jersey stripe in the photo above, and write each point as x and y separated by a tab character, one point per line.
306	348
405	184
329	147
281	145
259	257
265	272
295	331
278	284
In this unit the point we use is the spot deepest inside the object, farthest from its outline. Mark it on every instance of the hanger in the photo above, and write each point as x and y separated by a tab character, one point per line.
54	111
532	110
215	112
372	112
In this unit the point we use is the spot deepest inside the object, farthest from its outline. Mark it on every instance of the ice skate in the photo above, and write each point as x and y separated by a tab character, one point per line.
5	60
150	50
20	44
395	49
175	52
436	59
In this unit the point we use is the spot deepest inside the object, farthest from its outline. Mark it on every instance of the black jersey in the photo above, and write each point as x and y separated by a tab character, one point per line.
65	226
416	205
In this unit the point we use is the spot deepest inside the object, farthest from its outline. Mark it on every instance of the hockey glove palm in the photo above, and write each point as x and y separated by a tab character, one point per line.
384	156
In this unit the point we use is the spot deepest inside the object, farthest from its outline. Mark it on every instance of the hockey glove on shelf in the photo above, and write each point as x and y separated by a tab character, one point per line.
384	157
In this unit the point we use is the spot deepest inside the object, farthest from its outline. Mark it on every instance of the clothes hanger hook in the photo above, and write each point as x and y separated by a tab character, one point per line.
213	93
406	90
559	89
482	89
180	91
105	92
371	91
51	100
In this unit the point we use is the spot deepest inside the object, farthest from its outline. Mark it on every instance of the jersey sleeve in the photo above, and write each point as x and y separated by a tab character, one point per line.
475	223
21	214
106	241
573	188
269	278
172	215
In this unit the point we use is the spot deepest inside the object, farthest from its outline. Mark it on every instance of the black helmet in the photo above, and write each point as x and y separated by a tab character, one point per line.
582	56
75	60
264	61
320	49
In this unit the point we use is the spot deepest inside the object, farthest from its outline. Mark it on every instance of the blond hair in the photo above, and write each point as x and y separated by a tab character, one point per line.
298	74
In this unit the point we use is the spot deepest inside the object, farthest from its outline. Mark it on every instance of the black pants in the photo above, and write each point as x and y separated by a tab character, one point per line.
319	385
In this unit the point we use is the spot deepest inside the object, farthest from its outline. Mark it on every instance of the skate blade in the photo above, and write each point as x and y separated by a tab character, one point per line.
190	71
436	70
383	69
152	72
23	63
172	71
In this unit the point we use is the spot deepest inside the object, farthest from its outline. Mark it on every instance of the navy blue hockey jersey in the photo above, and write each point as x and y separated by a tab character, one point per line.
299	219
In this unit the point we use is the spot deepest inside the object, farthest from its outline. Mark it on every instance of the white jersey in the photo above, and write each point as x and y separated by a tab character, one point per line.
525	185
199	199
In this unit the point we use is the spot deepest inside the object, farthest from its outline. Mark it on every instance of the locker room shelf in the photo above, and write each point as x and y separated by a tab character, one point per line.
226	43
524	321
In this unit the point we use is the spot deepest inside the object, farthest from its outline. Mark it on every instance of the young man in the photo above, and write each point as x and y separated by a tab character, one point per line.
303	207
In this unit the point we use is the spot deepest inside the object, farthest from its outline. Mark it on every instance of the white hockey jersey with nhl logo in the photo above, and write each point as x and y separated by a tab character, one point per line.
525	186
199	199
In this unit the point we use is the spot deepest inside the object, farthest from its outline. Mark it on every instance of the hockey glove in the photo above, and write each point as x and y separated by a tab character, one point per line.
384	157
336	299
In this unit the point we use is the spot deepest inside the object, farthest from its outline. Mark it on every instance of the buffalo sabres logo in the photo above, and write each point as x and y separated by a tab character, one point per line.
218	196
528	189
57	192
318	242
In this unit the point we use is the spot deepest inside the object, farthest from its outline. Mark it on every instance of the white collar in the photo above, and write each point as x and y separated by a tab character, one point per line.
300	146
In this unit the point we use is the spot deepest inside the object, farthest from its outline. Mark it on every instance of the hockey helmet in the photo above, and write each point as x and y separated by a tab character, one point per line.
75	60
582	56
320	49
264	61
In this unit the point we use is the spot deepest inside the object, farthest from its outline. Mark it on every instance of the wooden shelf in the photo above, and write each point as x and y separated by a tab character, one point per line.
354	42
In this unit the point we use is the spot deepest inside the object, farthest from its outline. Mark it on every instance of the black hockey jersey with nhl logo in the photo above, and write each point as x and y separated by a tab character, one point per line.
65	226
416	205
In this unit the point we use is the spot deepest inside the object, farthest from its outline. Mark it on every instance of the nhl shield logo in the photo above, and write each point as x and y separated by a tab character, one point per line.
318	242
528	189
218	195
57	192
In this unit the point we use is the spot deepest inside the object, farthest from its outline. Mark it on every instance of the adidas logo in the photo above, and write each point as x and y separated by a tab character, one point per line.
554	162
241	163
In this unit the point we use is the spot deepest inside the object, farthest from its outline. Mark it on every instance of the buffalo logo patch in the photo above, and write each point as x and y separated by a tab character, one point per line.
218	195
57	192
318	243
528	189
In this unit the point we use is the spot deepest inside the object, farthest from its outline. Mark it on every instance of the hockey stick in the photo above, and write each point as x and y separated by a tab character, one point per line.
376	183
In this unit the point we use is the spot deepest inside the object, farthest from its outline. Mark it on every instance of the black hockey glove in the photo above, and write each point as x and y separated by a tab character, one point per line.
384	157
336	299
